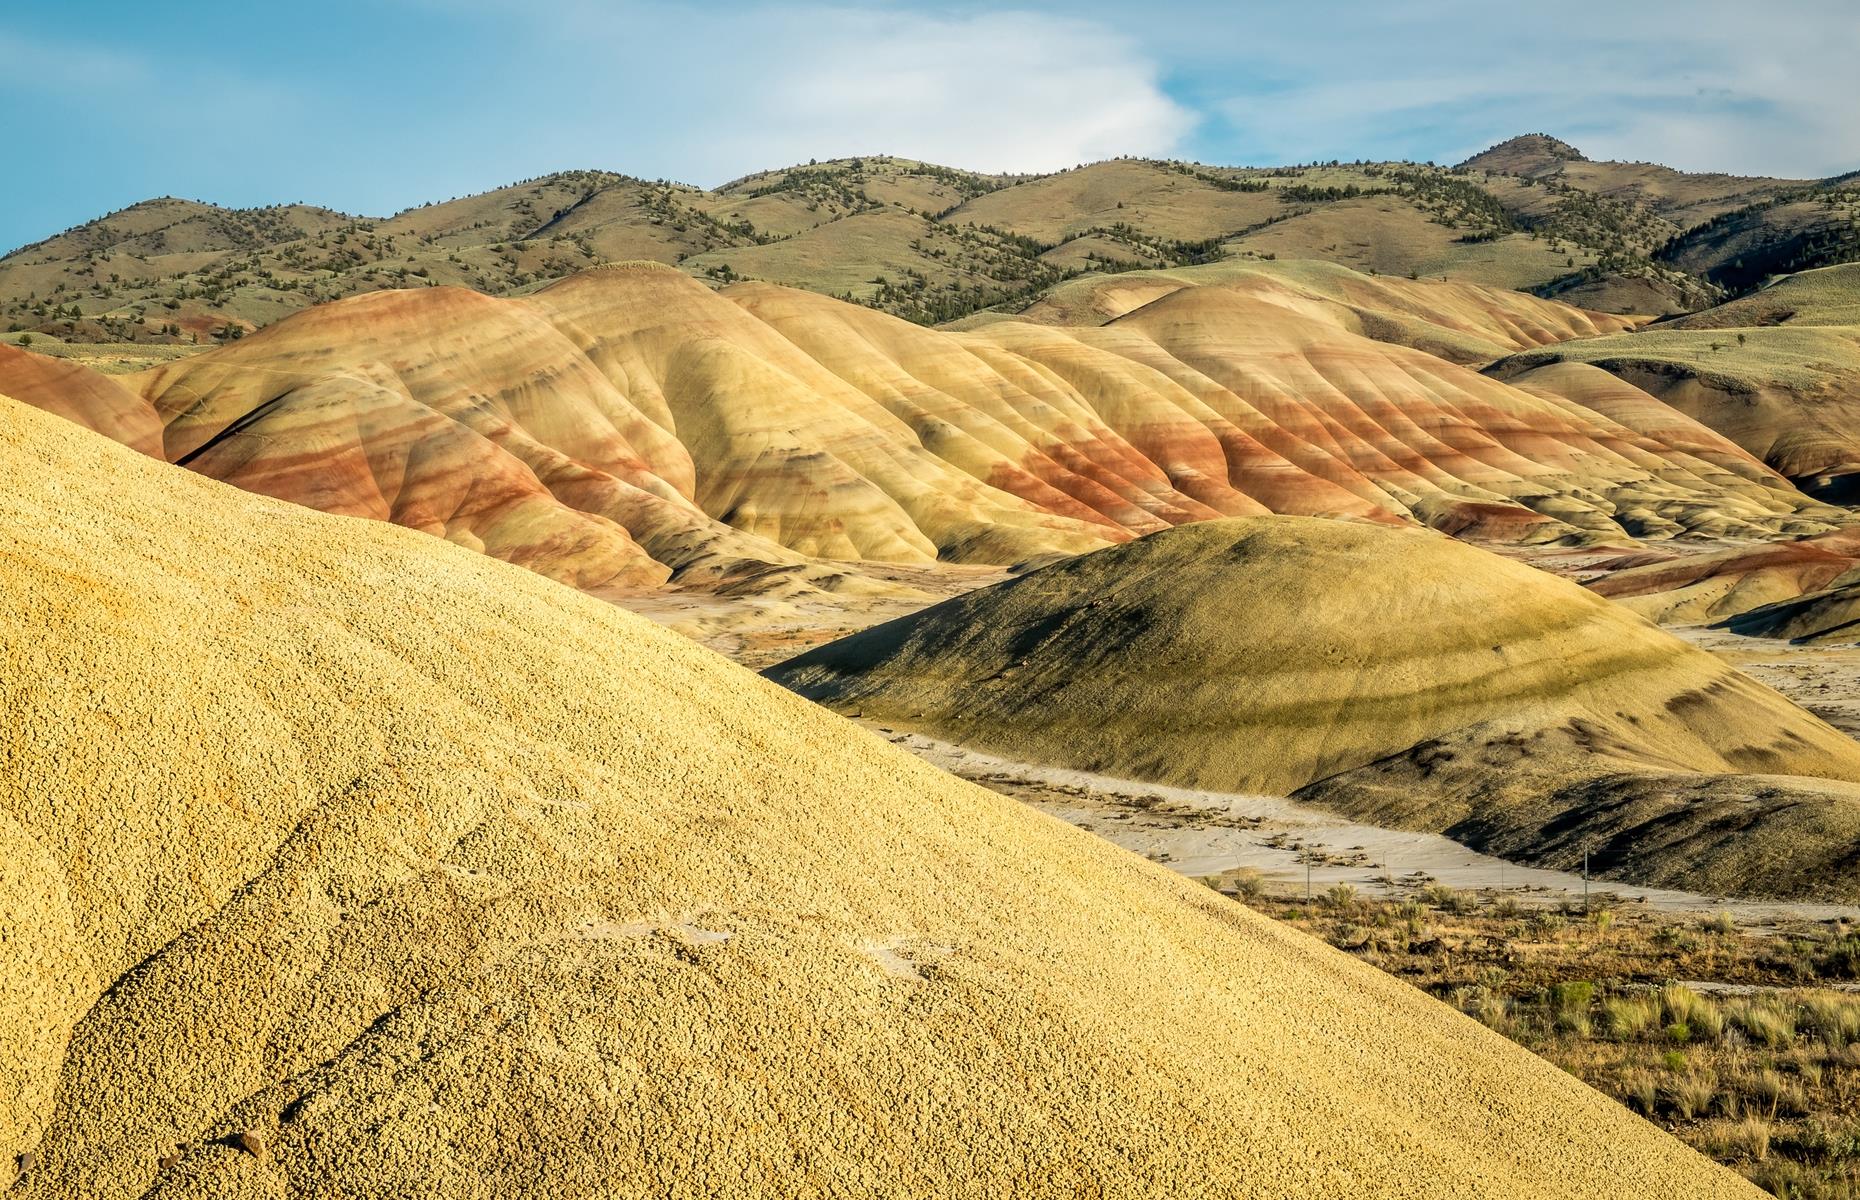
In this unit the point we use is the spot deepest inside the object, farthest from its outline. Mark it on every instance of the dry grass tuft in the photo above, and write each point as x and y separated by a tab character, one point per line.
1768	1083
1729	1141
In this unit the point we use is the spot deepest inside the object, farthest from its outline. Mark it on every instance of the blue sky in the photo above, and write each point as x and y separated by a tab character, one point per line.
373	106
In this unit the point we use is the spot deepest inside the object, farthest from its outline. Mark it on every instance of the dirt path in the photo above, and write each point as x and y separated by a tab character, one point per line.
1206	833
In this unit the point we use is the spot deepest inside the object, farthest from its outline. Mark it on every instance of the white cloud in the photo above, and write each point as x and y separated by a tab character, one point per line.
759	85
993	91
1707	85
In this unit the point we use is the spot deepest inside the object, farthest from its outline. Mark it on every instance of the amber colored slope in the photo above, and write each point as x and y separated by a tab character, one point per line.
629	424
1402	430
1208	401
1463	322
1830	615
1394	674
414	874
1784	393
79	394
1700	588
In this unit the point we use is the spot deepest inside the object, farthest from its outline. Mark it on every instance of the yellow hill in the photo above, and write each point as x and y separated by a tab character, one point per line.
1395	675
1831	615
629	425
1461	322
1785	393
1163	201
1694	589
1776	372
340	861
1394	235
75	392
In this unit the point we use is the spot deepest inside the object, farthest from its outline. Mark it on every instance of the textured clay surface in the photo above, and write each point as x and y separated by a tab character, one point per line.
337	861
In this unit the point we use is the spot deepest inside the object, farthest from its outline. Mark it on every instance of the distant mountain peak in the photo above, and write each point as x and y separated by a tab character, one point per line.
1527	152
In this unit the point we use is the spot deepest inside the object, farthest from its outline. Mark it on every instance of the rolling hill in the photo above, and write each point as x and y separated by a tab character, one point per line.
1777	372
1697	589
629	425
363	865
1825	296
1394	675
1668	241
1830	615
1798	230
935	244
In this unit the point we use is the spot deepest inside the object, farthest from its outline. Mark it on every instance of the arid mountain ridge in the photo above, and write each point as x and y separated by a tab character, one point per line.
935	244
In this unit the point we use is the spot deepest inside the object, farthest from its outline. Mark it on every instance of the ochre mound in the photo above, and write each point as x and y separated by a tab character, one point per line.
629	425
1461	322
1831	615
1786	393
1394	674
77	393
1696	589
342	862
